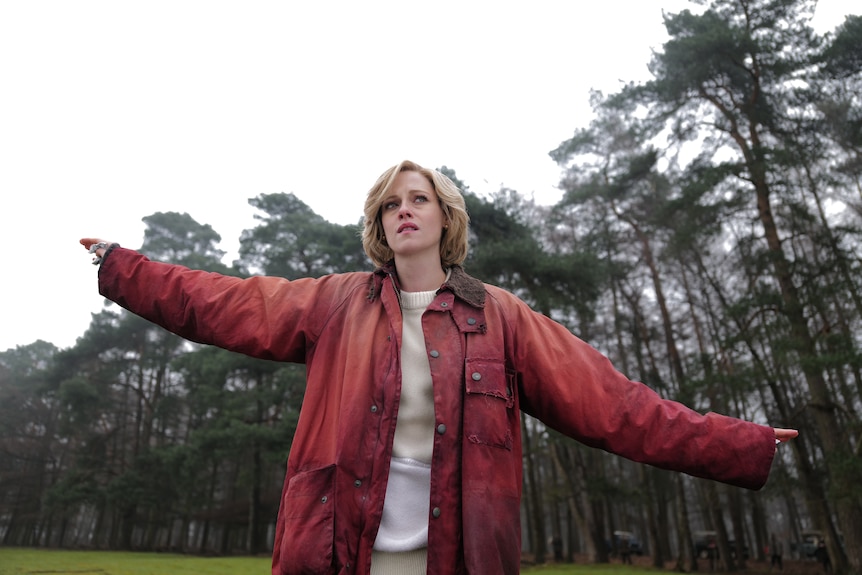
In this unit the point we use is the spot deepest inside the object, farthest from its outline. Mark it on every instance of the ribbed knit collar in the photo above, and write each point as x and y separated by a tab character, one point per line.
420	299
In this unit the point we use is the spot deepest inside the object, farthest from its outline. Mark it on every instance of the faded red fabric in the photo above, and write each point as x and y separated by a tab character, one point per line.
490	355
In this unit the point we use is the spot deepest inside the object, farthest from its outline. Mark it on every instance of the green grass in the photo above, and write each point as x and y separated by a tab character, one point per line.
20	561
17	561
589	569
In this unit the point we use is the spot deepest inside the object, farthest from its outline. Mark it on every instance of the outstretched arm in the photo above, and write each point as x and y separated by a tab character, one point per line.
572	387
264	317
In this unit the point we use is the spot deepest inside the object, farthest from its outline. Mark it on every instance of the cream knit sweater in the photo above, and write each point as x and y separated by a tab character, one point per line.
400	547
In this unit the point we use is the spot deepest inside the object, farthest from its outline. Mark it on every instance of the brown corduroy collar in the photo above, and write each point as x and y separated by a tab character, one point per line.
464	286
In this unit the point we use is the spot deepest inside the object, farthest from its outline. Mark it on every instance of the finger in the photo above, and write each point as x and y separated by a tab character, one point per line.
87	242
785	434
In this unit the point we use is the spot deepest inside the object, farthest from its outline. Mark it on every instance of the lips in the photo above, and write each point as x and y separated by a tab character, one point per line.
407	226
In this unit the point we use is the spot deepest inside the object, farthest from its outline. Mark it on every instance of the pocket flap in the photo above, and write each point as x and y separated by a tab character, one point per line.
488	377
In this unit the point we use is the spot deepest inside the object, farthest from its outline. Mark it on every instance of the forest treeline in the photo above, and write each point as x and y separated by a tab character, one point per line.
707	240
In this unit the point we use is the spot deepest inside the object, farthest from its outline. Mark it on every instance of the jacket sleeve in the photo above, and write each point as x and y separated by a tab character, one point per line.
571	387
264	317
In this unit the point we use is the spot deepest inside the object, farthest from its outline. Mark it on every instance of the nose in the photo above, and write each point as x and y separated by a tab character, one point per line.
404	210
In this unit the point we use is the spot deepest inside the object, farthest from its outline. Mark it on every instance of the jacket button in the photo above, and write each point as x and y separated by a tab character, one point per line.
357	483
323	499
373	409
471	321
435	353
441	429
476	376
444	304
436	512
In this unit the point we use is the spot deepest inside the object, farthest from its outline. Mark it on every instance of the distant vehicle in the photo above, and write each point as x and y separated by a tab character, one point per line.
732	543
707	541
704	542
635	546
808	545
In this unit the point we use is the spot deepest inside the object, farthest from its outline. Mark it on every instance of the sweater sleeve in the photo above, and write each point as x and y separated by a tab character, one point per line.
264	317
573	388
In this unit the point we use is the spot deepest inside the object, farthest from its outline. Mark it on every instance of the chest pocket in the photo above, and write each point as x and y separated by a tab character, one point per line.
489	403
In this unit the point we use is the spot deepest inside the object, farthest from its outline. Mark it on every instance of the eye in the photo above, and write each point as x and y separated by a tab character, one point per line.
390	205
420	199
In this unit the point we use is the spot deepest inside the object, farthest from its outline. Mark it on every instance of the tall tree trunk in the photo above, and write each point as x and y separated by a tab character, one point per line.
536	511
573	535
210	504
736	517
686	560
253	542
758	521
127	528
716	514
656	505
569	462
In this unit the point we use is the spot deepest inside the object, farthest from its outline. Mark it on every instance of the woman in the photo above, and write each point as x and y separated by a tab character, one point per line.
407	454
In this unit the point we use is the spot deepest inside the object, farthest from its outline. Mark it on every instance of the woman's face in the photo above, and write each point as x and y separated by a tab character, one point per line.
412	217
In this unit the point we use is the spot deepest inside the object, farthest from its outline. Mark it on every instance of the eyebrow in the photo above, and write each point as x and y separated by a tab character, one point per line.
391	197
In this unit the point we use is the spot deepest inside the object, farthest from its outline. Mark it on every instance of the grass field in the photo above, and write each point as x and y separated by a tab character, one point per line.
19	561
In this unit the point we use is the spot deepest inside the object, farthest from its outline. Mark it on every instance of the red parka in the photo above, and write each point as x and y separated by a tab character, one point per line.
490	356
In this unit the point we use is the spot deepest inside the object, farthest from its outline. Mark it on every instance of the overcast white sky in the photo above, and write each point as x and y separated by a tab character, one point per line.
113	110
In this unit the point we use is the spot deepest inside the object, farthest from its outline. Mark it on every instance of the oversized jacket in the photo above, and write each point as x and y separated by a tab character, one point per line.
490	357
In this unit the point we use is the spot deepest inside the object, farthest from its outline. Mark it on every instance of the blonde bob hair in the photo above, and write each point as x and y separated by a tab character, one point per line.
453	243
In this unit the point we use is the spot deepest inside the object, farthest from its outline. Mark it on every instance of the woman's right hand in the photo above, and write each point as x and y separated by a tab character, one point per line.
96	246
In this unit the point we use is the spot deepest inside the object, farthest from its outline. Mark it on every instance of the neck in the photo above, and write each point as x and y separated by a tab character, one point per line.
415	275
